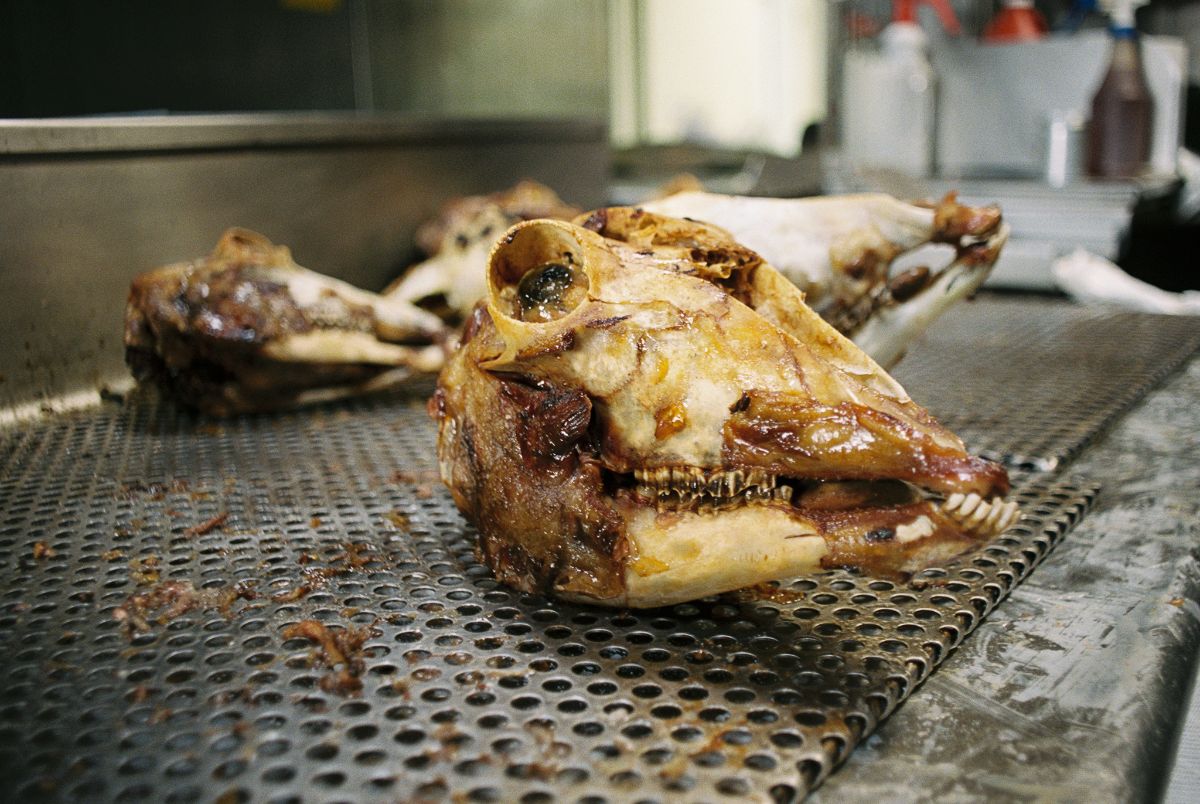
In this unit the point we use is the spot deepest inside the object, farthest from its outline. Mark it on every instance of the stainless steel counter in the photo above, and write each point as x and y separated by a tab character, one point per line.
1074	689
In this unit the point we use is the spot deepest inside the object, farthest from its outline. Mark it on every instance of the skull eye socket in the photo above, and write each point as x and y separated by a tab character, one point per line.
550	291
536	273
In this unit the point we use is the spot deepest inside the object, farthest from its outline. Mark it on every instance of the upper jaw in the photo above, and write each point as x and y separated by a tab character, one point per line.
692	487
682	374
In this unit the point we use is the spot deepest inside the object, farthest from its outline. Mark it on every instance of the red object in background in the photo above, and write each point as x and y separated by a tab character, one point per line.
1018	21
906	11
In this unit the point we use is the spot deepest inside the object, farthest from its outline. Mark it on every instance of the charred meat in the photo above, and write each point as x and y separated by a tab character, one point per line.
247	329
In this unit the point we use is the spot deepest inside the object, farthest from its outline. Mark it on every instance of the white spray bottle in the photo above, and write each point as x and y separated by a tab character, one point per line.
889	96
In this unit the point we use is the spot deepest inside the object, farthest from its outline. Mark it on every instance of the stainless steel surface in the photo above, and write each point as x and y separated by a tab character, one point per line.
90	135
1046	377
1075	688
468	689
473	691
84	206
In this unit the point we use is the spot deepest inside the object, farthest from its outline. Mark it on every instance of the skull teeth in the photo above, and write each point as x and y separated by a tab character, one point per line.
979	516
688	486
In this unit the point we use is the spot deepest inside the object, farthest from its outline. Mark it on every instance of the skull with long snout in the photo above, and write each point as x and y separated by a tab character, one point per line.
840	250
646	420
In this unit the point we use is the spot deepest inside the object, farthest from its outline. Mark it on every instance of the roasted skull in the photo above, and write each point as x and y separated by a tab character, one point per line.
644	411
247	329
840	251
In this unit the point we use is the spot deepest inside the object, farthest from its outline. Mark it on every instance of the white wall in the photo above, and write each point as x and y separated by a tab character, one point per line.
733	73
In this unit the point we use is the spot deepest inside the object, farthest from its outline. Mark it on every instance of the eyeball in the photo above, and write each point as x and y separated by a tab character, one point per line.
536	272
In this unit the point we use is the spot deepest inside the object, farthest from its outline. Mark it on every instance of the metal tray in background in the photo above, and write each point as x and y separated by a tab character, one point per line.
469	690
1031	382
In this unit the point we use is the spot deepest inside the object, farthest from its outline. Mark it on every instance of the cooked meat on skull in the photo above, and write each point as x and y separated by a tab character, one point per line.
247	329
458	240
644	411
839	250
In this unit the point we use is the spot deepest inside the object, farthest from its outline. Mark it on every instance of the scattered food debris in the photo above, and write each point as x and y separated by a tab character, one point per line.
144	571
172	599
42	551
340	650
354	557
425	481
771	592
207	526
399	520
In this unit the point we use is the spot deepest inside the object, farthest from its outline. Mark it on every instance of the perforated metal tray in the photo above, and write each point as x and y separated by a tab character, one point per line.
1031	382
468	690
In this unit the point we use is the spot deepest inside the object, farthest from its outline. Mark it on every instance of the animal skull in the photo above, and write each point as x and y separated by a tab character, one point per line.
247	329
839	250
459	239
646	420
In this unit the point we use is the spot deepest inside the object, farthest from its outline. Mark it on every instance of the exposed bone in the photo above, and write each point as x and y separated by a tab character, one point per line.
763	399
839	250
460	238
743	350
979	516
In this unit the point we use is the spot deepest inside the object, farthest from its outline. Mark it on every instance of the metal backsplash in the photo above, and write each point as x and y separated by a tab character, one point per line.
87	204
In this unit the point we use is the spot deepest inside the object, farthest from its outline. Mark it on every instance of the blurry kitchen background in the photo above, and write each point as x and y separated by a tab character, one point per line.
749	96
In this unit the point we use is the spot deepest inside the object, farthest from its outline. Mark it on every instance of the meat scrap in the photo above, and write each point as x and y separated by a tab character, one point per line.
207	526
170	600
354	556
423	482
42	551
340	650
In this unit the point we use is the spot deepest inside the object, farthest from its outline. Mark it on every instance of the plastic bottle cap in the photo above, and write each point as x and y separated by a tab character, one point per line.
904	37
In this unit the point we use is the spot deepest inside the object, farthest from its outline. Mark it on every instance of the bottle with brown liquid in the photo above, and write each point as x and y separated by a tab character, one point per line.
1122	112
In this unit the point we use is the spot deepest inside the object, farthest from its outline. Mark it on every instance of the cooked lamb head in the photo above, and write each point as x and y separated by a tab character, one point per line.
642	421
840	250
247	329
